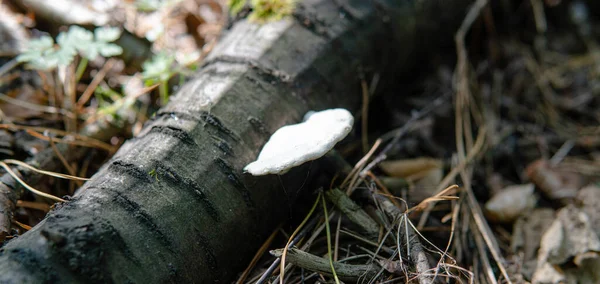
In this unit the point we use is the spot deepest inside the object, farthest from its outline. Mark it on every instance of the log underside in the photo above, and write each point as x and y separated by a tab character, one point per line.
173	204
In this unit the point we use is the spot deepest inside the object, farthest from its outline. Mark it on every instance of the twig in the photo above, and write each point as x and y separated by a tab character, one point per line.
483	256
287	245
365	115
486	233
28	187
35	107
297	239
346	272
413	246
539	16
479	143
9	66
89	91
48	173
354	174
34	205
354	212
328	231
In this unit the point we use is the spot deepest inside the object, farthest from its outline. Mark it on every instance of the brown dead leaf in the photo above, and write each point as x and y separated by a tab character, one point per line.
568	250
589	198
412	169
395	267
554	183
509	203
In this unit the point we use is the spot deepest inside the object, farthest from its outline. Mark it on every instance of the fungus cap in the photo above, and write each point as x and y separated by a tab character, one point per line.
293	145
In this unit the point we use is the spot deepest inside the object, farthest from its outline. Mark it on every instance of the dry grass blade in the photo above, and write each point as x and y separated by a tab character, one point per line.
24	226
354	174
287	245
80	140
35	107
48	173
486	233
475	151
440	196
25	185
328	231
365	115
33	205
89	91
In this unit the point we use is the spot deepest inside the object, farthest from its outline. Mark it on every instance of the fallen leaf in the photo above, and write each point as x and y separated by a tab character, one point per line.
509	203
410	168
555	184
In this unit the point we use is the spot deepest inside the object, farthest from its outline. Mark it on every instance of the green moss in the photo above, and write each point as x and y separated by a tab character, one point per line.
154	173
271	10
235	6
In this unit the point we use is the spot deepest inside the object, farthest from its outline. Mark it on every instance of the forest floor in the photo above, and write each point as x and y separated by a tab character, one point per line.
482	165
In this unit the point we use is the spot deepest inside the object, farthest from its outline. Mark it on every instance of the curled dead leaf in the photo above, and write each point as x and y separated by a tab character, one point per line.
555	184
410	168
511	202
391	266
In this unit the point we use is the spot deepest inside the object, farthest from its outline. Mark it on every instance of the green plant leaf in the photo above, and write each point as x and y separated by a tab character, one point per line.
148	5
235	6
91	45
43	55
38	53
63	56
271	10
35	48
109	49
153	5
107	34
158	68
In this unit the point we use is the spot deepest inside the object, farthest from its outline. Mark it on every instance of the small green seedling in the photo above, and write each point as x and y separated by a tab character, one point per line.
43	54
154	173
264	10
153	5
159	70
271	10
236	6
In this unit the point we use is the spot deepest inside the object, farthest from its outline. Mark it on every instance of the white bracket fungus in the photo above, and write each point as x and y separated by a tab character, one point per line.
293	145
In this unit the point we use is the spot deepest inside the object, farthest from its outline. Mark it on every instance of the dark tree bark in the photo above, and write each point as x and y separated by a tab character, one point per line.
173	204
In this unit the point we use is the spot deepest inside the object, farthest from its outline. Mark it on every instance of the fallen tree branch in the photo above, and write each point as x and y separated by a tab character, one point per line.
357	273
173	205
354	213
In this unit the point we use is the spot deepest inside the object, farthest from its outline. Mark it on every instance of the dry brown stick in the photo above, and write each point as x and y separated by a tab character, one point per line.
463	124
483	255
475	151
413	245
34	205
365	115
354	212
89	91
346	272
